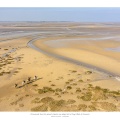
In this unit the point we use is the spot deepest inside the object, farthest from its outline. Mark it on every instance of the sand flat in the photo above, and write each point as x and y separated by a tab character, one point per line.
82	50
61	85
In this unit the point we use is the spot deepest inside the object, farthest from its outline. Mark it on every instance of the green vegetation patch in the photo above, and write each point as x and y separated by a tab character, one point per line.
114	93
74	84
87	96
16	71
88	72
26	95
80	80
47	100
20	68
21	105
8	72
40	108
1	74
69	87
92	108
10	59
45	90
82	107
71	101
99	93
57	105
67	82
90	86
5	49
36	100
73	71
58	90
70	80
78	90
108	106
35	85
53	85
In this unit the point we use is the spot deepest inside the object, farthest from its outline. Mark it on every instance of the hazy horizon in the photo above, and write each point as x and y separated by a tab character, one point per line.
60	14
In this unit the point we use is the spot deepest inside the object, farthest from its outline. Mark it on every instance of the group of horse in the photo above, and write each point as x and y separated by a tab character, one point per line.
29	80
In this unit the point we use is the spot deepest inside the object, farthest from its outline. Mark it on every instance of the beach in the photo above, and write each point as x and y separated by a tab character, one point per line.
76	65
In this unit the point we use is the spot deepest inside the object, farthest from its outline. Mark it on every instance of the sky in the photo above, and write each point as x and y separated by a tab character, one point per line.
76	14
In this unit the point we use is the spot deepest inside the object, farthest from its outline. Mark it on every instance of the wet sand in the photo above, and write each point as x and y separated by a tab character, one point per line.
78	52
62	85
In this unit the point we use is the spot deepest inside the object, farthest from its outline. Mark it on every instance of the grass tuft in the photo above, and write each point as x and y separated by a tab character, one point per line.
80	80
73	71
88	72
78	90
69	87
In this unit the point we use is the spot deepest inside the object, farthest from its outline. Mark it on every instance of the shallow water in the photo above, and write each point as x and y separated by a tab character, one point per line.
117	49
58	43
